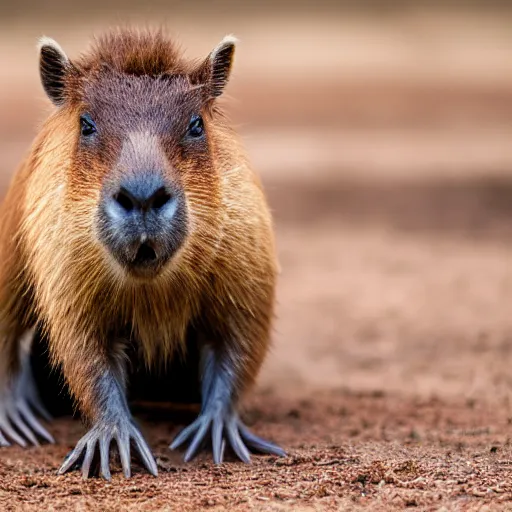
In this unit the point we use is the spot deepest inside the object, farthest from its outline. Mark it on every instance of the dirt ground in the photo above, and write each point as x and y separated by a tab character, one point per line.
389	170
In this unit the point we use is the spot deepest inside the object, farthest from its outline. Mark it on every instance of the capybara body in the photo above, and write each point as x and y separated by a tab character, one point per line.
135	219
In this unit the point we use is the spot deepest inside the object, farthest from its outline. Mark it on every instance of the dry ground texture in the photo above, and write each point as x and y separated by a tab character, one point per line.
385	144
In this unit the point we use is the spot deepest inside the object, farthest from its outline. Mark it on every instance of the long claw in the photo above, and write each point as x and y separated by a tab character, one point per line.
104	458
32	421
185	434
145	452
3	441
20	425
217	440
259	444
72	457
236	442
6	427
198	439
123	445
222	448
89	455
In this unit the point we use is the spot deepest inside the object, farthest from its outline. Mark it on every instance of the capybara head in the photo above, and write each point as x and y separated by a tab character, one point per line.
144	156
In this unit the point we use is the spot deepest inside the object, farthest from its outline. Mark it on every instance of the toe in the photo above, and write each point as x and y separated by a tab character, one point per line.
9	431
105	458
197	440
22	427
71	459
217	428
236	442
144	452
123	445
16	420
258	444
33	423
185	434
89	455
3	441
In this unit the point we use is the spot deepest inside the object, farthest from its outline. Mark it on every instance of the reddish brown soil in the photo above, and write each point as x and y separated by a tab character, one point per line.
389	173
346	449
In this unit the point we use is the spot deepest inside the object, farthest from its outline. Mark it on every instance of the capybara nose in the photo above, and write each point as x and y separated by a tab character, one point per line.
142	194
143	221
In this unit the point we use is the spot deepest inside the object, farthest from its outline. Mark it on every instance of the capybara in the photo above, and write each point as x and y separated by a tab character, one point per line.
134	219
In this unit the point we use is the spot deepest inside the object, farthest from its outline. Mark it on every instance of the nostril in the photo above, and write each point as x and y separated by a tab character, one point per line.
160	198
131	198
124	199
145	254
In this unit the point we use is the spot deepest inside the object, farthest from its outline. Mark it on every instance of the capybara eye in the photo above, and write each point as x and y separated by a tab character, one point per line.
87	125
196	127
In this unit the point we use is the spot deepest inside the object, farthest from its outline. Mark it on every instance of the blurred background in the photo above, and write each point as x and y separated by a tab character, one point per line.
383	133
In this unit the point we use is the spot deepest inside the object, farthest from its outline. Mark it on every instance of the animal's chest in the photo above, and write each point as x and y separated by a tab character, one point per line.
158	327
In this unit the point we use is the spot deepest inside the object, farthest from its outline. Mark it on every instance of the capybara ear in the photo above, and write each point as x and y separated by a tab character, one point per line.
53	67
214	72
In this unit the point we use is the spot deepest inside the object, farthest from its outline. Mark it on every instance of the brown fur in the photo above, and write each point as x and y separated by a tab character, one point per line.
56	273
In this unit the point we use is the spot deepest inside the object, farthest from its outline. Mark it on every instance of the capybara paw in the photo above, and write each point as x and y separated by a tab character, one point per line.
124	432
20	409
224	425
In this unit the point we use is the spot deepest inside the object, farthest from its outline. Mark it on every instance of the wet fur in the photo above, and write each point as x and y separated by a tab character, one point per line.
55	272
